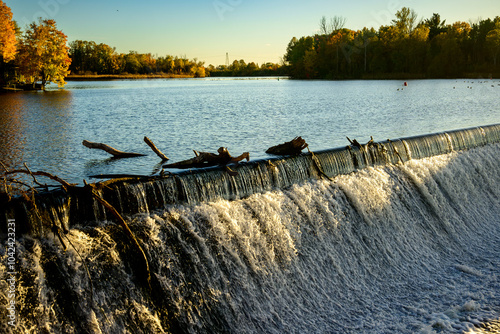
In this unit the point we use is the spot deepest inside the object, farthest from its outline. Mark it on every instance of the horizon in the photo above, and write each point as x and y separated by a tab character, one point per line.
206	31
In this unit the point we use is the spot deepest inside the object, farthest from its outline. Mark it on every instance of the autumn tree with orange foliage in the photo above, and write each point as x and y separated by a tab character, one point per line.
7	34
43	54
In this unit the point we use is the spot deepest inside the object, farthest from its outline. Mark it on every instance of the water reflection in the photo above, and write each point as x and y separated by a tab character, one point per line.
98	166
12	129
34	128
95	167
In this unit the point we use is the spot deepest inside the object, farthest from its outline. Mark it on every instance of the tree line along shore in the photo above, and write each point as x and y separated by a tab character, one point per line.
407	48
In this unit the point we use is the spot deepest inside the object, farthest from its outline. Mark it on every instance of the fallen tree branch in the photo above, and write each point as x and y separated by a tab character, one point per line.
396	151
113	151
63	183
293	147
354	143
125	227
317	163
206	159
159	153
28	192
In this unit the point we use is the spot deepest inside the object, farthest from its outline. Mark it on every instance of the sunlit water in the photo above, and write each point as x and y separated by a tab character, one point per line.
407	248
45	129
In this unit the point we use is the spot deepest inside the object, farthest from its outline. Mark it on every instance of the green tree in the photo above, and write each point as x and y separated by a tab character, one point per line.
418	49
179	64
478	48
166	64
449	60
132	63
200	72
43	54
405	43
493	42
106	59
235	66
295	54
310	63
83	57
366	37
435	25
391	52
406	21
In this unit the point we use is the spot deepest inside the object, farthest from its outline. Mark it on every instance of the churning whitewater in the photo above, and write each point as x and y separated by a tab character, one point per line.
406	248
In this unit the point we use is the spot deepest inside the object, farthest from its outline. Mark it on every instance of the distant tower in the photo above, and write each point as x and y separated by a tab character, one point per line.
227	59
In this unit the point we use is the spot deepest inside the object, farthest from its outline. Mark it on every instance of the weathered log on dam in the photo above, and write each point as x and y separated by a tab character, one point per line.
144	194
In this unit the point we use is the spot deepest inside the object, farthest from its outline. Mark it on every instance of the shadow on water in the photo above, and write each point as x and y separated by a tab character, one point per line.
95	167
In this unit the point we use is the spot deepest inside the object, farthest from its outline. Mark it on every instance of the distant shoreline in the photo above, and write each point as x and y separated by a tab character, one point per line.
97	77
387	76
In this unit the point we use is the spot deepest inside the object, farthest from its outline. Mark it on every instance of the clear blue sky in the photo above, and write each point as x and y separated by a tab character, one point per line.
255	30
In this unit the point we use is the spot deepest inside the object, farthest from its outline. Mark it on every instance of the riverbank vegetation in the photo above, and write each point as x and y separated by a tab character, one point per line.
408	48
90	59
238	68
35	58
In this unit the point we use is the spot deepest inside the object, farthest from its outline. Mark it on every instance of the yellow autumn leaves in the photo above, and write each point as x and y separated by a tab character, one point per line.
7	33
40	55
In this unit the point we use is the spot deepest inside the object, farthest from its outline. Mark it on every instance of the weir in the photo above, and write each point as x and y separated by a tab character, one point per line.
408	247
145	194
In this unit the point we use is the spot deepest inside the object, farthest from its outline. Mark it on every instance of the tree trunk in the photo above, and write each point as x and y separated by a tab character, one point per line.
114	152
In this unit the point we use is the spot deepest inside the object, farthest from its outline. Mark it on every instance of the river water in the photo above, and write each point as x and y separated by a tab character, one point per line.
397	248
46	129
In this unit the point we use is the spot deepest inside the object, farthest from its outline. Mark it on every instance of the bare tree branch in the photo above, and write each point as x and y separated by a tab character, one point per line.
337	23
159	153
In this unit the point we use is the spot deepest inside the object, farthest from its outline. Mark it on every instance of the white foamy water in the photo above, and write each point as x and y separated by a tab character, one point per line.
410	248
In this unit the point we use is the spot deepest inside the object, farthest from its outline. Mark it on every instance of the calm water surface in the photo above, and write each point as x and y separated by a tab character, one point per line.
45	129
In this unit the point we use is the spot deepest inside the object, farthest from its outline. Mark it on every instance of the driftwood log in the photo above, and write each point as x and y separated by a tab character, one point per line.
206	159
113	151
292	147
159	153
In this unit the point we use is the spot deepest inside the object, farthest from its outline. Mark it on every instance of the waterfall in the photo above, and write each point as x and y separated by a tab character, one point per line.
263	175
200	185
408	243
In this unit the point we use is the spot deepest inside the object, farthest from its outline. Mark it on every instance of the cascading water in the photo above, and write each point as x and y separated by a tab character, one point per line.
393	248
